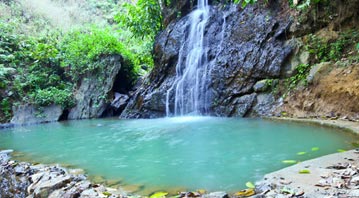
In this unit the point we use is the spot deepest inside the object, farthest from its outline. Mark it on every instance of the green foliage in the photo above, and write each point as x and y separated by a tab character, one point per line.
300	75
53	95
30	69
6	108
82	48
306	4
143	19
332	50
244	3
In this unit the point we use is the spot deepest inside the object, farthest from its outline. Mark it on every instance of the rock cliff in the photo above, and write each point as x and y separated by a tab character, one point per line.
244	46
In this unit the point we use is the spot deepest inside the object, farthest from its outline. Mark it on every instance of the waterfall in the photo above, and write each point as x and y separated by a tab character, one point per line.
190	85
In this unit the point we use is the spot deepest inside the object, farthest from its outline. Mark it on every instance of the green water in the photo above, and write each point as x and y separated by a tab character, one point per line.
189	152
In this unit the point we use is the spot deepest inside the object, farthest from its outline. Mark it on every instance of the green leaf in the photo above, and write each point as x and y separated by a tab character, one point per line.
289	161
285	190
304	171
341	150
301	153
315	148
159	195
250	185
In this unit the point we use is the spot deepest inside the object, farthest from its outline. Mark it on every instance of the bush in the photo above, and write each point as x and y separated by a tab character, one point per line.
332	50
53	95
80	49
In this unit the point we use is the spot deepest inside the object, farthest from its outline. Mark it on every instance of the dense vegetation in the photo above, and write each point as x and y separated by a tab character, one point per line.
42	66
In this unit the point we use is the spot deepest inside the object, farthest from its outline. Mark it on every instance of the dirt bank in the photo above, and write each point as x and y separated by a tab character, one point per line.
332	93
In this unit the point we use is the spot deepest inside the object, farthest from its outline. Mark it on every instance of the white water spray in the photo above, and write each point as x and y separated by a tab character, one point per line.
190	85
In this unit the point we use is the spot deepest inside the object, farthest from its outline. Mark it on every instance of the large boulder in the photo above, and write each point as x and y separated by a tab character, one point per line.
243	47
31	114
95	92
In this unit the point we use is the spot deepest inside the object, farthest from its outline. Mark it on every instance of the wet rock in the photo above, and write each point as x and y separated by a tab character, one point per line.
21	179
91	96
264	105
216	195
76	171
89	193
261	86
244	104
30	114
6	152
120	101
6	125
44	188
20	170
240	51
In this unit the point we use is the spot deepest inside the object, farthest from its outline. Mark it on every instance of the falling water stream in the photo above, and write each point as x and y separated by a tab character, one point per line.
190	90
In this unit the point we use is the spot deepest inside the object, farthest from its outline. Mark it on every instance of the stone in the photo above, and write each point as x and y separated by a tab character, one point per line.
44	188
6	152
244	104
216	195
77	171
20	170
120	101
89	193
30	114
264	105
91	96
315	70
6	125
262	85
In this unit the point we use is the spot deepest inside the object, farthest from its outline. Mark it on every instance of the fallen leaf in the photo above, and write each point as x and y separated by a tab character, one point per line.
159	195
304	171
315	148
289	161
250	185
245	193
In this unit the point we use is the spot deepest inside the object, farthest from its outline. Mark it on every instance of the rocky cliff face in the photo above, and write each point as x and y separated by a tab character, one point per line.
243	48
95	94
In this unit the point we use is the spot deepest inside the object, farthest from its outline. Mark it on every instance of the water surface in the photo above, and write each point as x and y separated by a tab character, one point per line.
190	152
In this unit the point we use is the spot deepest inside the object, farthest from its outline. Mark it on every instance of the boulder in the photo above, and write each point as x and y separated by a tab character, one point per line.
93	94
264	105
216	195
30	114
315	70
262	85
120	101
244	104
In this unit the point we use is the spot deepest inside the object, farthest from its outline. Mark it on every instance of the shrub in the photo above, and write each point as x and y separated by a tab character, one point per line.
53	95
80	49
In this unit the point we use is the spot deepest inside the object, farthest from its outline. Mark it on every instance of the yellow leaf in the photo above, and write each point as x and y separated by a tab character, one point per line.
245	193
159	195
